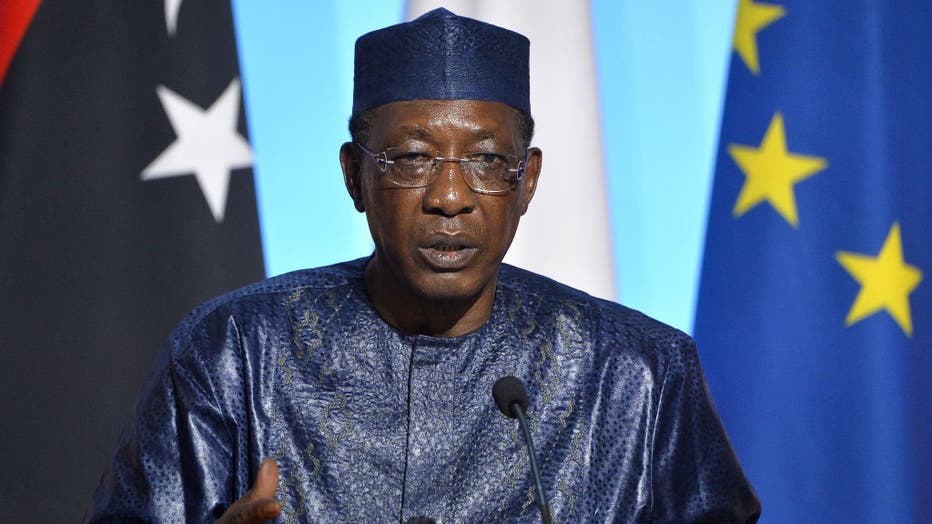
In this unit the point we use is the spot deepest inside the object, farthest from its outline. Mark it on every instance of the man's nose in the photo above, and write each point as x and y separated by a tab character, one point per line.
448	194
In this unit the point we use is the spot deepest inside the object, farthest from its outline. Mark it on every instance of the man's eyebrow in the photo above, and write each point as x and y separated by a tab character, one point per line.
415	132
484	134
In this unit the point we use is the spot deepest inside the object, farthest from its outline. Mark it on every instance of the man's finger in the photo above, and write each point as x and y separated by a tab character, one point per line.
253	512
258	504
266	481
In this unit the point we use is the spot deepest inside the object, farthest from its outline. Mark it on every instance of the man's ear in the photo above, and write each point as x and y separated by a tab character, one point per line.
349	162
531	175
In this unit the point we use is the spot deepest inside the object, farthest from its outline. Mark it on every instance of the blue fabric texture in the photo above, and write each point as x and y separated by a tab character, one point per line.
442	56
371	425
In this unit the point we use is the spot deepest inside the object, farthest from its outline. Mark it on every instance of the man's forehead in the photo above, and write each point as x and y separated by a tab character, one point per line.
430	119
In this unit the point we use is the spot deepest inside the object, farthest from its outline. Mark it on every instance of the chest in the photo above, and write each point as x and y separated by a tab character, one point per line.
379	427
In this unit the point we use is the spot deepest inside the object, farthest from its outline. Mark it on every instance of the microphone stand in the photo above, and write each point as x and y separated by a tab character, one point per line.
535	467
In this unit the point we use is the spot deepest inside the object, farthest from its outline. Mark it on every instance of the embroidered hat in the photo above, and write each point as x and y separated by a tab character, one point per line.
441	55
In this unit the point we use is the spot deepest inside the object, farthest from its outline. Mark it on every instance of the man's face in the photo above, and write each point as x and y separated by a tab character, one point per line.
442	242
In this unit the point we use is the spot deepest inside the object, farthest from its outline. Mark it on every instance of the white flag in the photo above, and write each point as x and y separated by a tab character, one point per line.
565	234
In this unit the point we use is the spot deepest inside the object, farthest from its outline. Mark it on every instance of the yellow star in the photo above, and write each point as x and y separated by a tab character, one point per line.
751	19
886	282
770	172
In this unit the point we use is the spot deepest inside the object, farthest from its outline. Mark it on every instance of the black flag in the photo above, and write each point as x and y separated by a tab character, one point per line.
126	198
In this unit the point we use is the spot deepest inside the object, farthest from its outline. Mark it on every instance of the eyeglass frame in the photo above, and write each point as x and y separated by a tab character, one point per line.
382	162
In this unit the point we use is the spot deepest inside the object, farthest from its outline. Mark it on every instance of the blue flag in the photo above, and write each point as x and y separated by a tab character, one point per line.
815	306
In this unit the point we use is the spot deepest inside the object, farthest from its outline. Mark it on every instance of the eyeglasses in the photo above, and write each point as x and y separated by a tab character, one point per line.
487	173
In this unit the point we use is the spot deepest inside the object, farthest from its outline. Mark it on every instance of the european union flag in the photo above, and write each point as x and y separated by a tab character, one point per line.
815	305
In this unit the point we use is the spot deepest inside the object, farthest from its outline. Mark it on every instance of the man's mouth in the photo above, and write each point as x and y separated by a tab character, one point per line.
448	252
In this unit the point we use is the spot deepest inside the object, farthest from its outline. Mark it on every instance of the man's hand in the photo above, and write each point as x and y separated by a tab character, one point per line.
259	503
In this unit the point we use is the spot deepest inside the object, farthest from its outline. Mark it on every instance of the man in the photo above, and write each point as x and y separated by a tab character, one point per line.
367	385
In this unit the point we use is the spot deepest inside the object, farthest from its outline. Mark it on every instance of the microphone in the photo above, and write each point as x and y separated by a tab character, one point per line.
511	399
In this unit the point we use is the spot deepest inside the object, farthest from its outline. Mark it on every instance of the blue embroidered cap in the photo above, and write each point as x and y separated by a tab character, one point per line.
441	55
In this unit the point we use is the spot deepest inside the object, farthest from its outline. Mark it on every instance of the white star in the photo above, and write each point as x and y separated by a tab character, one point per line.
208	145
171	15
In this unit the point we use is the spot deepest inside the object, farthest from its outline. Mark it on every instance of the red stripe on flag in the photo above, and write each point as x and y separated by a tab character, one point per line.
15	16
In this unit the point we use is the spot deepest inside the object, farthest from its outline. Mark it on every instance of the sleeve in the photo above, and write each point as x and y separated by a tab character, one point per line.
696	476
175	459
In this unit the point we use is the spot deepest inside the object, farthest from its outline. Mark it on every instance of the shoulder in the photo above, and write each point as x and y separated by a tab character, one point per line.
262	302
305	280
612	328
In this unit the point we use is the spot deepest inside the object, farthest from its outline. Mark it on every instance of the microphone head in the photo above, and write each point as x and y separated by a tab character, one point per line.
508	391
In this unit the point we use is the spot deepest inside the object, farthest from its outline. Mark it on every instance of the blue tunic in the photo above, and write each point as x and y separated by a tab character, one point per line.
370	425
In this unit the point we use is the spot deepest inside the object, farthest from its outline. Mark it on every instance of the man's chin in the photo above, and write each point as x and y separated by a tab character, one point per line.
451	287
